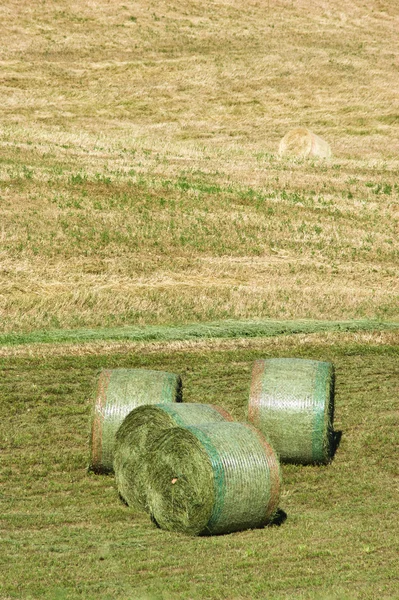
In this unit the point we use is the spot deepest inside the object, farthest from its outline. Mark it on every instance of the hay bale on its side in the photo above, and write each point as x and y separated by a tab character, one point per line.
213	478
139	430
303	143
292	402
119	391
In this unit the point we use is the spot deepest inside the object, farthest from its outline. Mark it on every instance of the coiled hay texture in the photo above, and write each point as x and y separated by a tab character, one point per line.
119	391
139	430
212	478
292	402
303	143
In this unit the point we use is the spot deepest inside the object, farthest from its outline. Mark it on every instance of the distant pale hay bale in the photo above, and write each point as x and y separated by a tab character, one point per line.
304	143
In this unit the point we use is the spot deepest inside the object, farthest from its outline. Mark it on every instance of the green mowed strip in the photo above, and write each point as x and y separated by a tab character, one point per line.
66	534
217	329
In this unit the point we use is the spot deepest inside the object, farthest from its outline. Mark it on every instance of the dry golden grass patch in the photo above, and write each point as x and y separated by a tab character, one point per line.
139	176
213	71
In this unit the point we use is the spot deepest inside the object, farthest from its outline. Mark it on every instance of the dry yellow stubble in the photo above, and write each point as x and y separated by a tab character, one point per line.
139	181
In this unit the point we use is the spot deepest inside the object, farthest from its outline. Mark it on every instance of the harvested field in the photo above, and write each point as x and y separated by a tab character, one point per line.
147	220
140	181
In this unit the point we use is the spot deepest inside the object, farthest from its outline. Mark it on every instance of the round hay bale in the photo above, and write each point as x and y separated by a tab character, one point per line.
119	391
212	478
292	402
139	430
303	143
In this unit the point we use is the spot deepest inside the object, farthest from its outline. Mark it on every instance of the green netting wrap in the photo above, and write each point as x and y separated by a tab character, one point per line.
139	430
119	391
212	478
292	402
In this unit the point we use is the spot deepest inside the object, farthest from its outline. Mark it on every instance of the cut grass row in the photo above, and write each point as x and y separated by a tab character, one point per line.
228	329
65	534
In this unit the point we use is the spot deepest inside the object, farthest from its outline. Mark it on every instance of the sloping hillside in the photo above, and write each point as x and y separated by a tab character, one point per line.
139	176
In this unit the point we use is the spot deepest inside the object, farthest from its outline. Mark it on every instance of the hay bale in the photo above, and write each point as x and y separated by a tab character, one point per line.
212	478
292	402
139	430
303	143
119	391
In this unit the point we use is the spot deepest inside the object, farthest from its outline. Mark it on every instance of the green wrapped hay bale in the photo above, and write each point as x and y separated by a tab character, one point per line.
139	430
292	402
119	391
212	478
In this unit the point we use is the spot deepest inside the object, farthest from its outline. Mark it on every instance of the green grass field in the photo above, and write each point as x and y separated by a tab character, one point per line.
146	219
66	534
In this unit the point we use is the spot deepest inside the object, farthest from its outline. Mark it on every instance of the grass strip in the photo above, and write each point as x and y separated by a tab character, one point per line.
217	329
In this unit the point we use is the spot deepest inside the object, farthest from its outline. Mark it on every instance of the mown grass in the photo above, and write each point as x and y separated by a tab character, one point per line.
228	329
65	534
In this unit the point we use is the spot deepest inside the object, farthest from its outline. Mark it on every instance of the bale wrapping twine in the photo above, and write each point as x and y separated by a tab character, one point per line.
119	391
139	430
303	143
292	402
212	478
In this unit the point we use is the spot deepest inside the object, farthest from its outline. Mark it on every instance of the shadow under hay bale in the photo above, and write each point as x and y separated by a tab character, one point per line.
119	391
292	402
212	479
139	430
303	143
335	442
278	519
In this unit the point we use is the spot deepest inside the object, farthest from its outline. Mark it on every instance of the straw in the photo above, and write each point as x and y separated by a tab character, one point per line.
303	143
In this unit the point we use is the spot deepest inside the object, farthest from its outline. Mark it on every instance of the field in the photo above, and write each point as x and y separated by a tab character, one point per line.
67	535
146	219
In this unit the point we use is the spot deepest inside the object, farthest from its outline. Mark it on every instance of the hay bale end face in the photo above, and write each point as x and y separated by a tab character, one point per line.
303	143
139	430
119	391
292	402
212	479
